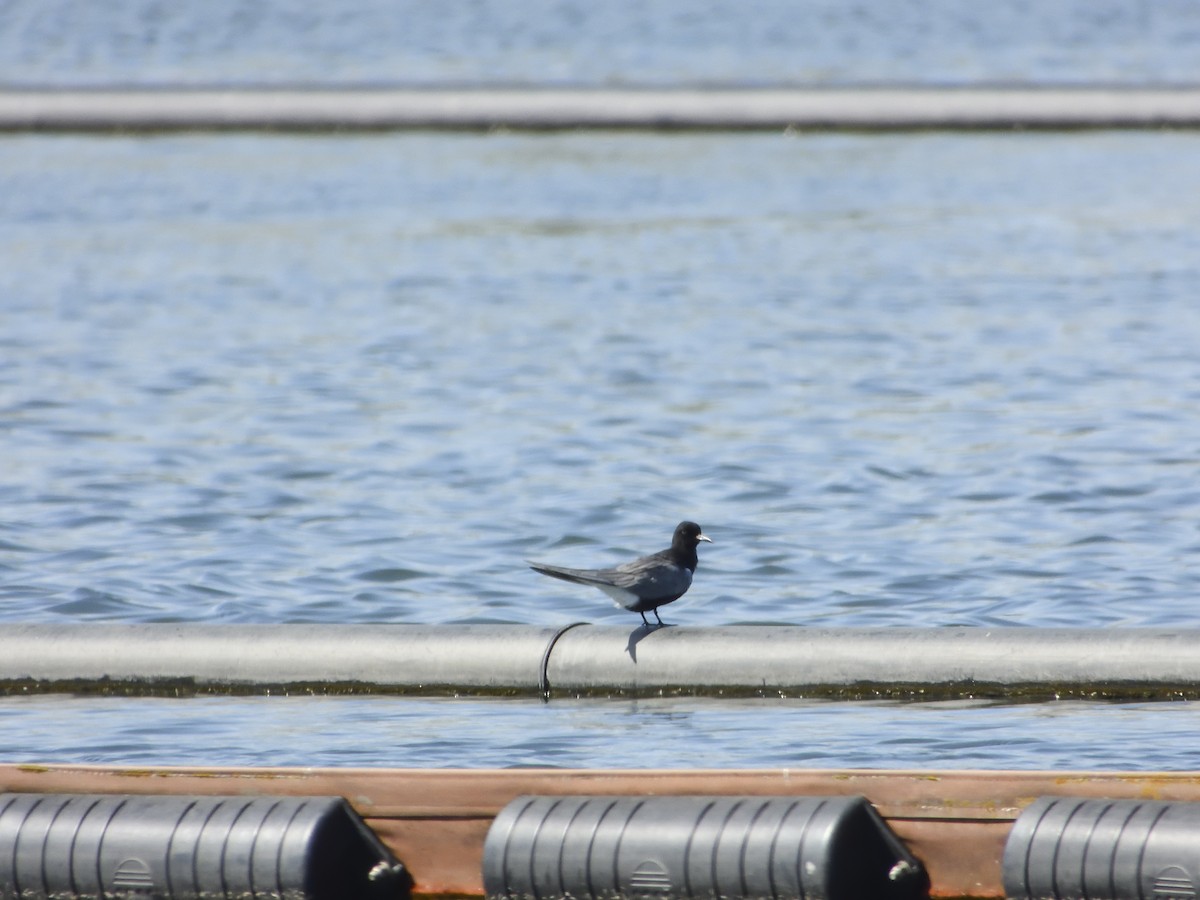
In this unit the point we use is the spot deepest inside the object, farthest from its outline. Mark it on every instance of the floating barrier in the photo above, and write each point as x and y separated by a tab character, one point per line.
1071	848
95	846
437	820
734	661
595	848
859	108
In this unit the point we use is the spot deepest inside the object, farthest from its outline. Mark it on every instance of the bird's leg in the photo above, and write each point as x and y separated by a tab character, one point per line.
661	623
644	621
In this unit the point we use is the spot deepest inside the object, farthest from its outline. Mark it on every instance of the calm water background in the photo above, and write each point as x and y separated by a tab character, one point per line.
919	379
654	733
622	42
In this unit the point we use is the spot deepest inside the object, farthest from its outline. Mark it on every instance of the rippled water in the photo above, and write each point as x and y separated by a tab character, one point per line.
655	733
918	379
910	379
575	42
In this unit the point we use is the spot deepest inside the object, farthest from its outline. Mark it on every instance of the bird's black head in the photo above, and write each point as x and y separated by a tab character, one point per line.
687	536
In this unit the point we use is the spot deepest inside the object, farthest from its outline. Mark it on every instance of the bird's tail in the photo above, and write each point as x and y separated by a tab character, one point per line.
578	576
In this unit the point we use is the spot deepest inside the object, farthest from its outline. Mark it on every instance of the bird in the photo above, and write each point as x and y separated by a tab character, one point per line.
645	583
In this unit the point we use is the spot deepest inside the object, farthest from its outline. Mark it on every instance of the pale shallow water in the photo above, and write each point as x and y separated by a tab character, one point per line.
915	379
76	42
651	733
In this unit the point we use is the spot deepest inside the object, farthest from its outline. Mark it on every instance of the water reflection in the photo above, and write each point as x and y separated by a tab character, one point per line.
644	733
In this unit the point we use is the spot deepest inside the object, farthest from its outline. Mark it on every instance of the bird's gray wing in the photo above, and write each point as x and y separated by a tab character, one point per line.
652	577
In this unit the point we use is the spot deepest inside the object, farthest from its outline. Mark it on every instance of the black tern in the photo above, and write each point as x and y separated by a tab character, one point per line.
647	583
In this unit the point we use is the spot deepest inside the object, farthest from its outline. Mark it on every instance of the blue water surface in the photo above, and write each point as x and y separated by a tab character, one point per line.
653	733
918	379
619	43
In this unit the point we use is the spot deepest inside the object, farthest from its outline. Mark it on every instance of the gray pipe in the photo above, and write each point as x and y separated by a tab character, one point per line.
744	660
961	660
95	846
760	108
1062	848
419	658
688	848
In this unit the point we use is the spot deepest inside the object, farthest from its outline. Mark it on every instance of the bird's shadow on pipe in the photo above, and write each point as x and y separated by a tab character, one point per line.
638	635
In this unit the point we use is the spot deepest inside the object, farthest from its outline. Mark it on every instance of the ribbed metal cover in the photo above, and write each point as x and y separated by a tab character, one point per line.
1068	848
68	846
833	848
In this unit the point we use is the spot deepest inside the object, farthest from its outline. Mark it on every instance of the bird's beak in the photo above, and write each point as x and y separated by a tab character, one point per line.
704	537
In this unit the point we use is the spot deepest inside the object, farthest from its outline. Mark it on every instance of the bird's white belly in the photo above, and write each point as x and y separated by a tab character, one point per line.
623	598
